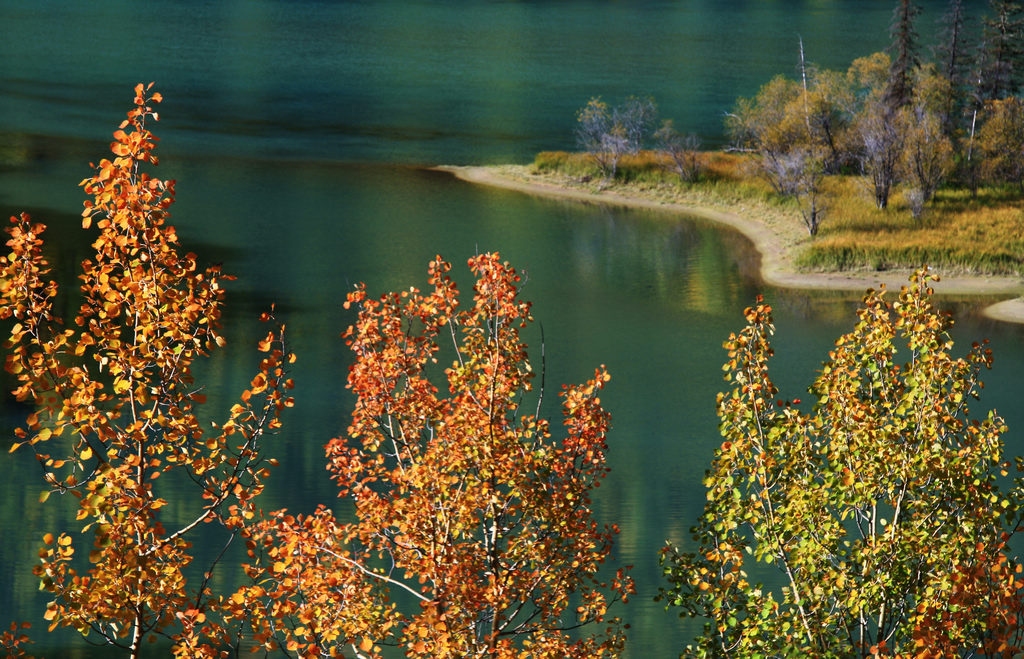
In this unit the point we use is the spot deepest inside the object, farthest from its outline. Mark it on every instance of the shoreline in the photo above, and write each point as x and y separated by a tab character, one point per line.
775	241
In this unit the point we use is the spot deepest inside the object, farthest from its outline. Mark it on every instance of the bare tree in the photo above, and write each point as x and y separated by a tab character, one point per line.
636	118
799	173
881	147
682	149
607	134
594	134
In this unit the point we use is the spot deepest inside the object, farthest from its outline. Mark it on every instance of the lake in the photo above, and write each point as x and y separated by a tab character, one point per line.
297	131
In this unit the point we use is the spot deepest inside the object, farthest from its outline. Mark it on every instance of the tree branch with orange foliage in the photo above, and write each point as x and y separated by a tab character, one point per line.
116	405
476	509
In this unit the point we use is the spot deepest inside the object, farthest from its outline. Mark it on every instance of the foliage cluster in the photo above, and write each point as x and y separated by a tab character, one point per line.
116	405
881	508
466	502
466	494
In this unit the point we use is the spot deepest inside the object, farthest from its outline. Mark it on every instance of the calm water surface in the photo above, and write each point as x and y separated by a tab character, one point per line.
291	128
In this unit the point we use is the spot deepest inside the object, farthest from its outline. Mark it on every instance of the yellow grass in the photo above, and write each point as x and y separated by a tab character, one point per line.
957	232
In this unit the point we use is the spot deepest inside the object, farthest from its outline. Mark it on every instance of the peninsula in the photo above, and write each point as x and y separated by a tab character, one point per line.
776	234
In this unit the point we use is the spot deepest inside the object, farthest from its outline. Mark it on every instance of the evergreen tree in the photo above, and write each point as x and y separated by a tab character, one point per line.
1002	54
952	63
949	51
904	54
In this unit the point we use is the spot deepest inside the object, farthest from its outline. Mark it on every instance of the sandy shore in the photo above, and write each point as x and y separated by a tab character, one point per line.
776	238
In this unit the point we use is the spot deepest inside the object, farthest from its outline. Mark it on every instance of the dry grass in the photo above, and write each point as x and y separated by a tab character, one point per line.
958	232
724	176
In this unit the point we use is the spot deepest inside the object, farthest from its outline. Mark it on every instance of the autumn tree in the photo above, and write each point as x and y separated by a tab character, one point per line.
793	130
818	112
879	508
465	504
830	106
771	122
116	408
927	159
1001	142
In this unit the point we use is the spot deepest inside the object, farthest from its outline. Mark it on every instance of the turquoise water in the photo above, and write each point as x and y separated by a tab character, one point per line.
409	81
293	129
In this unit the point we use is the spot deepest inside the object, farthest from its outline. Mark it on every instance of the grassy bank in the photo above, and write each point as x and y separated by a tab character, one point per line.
958	233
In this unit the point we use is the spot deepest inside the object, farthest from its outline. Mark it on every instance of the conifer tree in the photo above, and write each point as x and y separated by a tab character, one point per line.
952	63
904	54
1002	56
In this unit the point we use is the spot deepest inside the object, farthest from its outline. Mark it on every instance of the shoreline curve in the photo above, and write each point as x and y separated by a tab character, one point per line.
776	251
